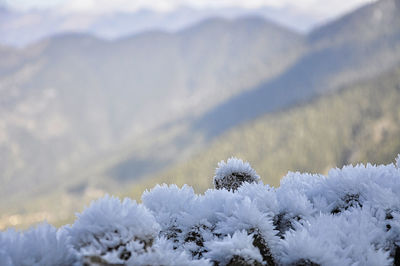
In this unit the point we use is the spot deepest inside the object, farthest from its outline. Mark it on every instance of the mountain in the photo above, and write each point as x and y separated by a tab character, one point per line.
358	124
370	22
359	45
23	28
332	59
72	99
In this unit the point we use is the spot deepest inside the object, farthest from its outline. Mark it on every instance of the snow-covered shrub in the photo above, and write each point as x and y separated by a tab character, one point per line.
237	248
43	245
348	239
293	206
162	252
244	215
232	174
168	204
111	230
349	217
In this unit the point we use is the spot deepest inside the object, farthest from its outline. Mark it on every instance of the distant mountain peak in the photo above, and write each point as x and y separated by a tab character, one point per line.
368	22
16	31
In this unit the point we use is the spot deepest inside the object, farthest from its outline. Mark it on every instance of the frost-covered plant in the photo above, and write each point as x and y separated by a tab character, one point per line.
167	204
113	231
162	252
232	174
348	239
349	217
237	248
43	245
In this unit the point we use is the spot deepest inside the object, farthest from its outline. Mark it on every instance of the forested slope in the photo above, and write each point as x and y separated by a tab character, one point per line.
361	123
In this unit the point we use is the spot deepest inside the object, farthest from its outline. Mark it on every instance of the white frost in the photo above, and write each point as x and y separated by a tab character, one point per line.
349	217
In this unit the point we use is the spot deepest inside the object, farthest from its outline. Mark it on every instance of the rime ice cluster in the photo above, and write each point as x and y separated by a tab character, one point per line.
349	217
232	174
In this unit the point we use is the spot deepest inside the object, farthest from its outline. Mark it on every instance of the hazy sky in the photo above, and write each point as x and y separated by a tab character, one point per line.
317	7
85	15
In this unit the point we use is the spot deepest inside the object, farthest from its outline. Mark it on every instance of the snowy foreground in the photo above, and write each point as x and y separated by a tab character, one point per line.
350	217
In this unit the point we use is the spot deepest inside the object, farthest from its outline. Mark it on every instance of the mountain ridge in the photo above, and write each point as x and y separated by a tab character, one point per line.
357	124
319	70
74	96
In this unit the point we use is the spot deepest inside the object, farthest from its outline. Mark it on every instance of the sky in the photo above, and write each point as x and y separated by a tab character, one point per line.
90	16
317	7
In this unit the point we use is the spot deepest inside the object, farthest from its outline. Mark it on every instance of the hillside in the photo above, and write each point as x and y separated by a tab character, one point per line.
333	58
359	45
71	98
361	123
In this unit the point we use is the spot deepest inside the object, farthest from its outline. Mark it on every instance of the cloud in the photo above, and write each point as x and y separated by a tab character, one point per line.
104	6
323	6
317	11
31	4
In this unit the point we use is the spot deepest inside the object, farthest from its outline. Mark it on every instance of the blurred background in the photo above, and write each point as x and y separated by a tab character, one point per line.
114	97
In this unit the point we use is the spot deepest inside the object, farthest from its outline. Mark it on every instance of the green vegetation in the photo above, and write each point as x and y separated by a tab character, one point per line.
360	123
